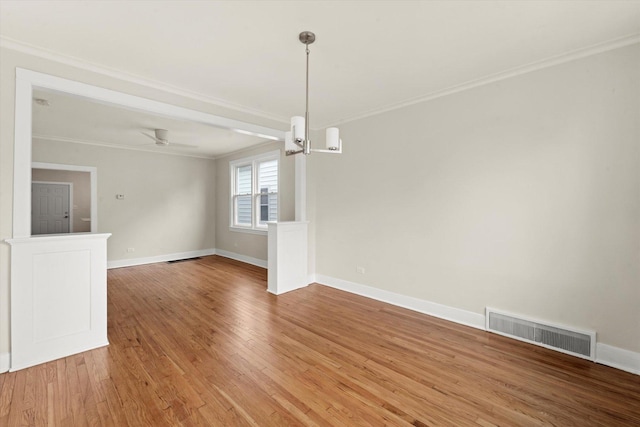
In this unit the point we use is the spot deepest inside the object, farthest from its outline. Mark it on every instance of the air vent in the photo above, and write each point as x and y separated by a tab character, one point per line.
182	260
570	341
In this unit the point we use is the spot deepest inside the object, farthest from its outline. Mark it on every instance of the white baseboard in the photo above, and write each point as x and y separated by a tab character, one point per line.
618	358
457	315
5	362
56	353
159	258
614	357
243	258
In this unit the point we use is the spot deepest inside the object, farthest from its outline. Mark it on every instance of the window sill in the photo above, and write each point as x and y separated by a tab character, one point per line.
247	230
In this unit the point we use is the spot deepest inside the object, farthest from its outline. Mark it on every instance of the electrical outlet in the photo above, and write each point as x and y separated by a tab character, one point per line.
130	250
360	269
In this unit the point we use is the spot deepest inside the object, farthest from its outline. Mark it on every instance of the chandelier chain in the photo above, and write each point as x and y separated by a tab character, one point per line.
307	145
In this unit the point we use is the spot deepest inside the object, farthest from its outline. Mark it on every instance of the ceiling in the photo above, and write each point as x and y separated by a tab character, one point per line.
76	119
369	56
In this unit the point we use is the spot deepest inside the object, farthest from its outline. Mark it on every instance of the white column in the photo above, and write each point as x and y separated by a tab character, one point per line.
301	187
287	257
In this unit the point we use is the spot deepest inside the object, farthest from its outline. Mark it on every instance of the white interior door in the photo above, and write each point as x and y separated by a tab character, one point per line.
50	208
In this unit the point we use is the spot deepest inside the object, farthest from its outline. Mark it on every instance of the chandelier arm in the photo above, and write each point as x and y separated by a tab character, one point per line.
293	152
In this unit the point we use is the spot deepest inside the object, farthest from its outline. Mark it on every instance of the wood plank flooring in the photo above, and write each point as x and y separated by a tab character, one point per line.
202	343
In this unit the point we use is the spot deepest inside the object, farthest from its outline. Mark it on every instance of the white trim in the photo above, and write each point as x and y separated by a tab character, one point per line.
26	80
183	255
57	354
93	178
159	258
457	315
618	358
503	75
124	147
22	159
242	258
50	55
248	230
267	155
62	167
56	237
46	81
253	161
311	278
5	362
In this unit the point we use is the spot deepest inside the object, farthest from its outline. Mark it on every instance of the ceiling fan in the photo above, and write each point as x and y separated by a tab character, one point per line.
161	138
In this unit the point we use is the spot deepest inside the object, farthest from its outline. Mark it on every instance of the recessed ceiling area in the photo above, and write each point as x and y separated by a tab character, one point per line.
81	120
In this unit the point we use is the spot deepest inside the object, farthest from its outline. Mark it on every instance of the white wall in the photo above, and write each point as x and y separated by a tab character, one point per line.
169	204
251	245
522	195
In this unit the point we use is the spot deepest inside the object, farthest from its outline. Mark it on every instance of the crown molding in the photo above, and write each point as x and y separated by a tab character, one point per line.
149	149
513	72
29	49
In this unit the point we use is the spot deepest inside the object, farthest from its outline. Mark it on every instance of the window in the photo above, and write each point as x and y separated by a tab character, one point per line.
254	192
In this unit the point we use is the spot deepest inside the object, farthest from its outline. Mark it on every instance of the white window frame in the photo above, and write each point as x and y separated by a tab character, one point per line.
254	161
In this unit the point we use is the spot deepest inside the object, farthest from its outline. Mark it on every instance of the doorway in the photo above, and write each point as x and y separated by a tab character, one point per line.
51	207
82	199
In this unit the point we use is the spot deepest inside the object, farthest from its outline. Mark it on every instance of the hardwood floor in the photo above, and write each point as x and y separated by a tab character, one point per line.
202	343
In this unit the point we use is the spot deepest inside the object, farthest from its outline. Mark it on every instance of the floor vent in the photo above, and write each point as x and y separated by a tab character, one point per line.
182	260
570	341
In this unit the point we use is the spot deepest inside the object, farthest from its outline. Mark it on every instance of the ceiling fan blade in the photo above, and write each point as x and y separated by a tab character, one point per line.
165	143
152	137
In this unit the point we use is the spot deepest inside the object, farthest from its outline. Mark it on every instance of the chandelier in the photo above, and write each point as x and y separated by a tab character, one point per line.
297	140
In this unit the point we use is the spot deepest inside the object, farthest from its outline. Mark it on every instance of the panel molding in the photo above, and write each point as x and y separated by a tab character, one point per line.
50	294
71	269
